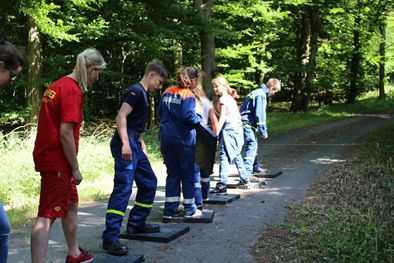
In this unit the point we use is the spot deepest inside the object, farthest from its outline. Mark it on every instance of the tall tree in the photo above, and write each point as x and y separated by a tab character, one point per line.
355	63
380	13
306	53
53	21
382	60
34	61
207	42
245	30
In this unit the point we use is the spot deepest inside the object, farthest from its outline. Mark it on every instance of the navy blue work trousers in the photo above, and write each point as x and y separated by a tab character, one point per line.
126	171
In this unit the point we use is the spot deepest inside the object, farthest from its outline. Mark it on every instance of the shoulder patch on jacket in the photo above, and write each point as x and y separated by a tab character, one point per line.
184	93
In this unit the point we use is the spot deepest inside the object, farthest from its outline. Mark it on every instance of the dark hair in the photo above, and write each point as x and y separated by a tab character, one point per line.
10	55
157	66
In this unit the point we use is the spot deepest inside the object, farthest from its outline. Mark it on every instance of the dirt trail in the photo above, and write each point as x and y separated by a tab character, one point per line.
302	155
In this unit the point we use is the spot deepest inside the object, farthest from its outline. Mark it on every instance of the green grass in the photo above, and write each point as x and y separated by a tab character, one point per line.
367	103
352	219
280	122
19	183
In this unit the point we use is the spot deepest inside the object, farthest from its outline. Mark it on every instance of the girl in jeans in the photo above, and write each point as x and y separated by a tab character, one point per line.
231	134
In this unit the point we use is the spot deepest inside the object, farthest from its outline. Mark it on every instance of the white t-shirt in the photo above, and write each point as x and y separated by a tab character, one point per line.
206	106
233	117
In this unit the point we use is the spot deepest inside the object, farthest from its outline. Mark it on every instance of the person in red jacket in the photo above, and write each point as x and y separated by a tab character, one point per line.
55	156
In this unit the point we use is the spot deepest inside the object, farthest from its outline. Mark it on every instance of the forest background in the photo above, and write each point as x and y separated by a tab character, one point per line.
324	52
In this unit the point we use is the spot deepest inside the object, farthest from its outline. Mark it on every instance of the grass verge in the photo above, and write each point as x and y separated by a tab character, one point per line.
280	122
347	215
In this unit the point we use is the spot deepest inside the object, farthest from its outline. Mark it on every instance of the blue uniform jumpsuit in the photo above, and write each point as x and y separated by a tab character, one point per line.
137	169
253	116
178	120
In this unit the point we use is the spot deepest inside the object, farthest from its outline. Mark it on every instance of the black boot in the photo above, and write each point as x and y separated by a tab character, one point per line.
115	248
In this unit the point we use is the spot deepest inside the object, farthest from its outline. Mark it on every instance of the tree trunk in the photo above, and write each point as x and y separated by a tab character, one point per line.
34	62
382	53
207	40
310	75
303	45
355	64
178	54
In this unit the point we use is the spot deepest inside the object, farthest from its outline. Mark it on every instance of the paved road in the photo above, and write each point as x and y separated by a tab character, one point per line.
301	155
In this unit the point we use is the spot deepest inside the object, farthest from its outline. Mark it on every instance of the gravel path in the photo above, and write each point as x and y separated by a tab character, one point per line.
301	155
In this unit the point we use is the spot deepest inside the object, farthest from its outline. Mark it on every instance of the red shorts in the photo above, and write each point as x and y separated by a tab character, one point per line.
58	192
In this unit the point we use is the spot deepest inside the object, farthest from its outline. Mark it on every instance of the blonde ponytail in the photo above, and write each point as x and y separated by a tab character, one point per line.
88	57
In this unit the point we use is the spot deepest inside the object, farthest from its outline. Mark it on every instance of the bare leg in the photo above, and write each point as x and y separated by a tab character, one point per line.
39	239
70	225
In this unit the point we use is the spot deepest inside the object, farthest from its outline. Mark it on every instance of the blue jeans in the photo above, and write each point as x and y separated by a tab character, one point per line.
250	148
5	229
224	168
198	197
257	165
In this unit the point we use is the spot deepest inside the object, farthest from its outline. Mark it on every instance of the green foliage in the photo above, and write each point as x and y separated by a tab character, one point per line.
254	40
61	23
242	37
40	12
151	138
9	119
390	47
18	182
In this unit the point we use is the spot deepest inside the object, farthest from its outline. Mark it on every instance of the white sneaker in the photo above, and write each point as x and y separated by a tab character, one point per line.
197	214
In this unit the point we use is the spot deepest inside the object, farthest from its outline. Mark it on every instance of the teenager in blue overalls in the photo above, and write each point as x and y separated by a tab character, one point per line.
205	146
131	162
231	137
178	120
253	115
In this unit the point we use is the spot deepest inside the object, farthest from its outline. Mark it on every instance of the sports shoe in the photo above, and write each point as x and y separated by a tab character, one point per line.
83	257
147	228
241	184
197	214
115	248
219	188
259	170
255	179
178	214
167	219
